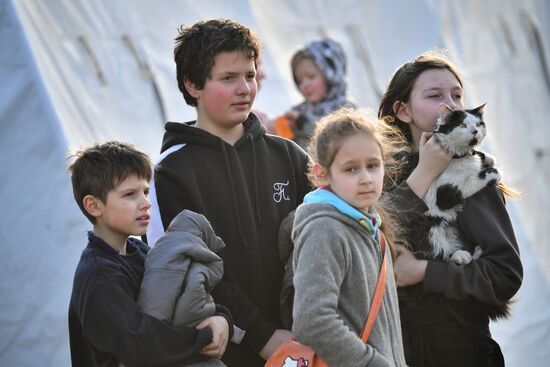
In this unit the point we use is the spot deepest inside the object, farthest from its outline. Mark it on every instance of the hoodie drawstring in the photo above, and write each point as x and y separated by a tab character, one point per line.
256	194
233	193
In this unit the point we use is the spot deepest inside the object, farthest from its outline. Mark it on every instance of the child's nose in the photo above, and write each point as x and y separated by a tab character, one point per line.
145	202
305	84
243	87
366	177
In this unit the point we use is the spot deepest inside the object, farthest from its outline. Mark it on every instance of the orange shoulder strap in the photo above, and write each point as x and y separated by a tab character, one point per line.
378	293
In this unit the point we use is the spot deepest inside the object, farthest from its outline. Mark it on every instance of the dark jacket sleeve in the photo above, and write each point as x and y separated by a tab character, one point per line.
497	275
224	312
246	314
113	324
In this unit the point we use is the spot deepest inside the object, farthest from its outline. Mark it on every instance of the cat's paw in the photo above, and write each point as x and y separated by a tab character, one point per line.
490	175
477	253
461	257
488	160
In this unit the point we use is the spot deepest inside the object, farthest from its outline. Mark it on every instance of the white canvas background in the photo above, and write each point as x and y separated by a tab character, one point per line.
68	79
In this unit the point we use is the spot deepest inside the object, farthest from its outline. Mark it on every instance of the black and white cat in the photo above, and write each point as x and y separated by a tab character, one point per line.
460	133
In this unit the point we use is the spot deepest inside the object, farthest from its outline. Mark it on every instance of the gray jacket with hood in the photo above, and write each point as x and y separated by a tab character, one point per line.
336	264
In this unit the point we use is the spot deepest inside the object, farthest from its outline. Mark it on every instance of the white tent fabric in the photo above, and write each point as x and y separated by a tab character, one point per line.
76	72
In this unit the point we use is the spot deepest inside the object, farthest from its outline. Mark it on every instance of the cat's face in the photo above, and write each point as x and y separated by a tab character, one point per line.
460	131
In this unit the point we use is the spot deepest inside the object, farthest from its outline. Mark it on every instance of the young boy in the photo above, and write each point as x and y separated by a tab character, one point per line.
224	166
110	185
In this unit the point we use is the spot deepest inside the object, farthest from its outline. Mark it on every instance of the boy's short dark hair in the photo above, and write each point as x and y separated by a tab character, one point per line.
197	46
99	168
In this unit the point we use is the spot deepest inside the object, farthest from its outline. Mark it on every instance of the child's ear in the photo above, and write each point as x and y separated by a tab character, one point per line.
191	88
401	110
93	206
321	174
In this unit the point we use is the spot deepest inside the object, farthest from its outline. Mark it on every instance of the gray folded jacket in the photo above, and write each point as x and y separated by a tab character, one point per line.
181	270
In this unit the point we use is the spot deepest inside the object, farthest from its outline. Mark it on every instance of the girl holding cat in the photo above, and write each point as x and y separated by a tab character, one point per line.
445	307
338	252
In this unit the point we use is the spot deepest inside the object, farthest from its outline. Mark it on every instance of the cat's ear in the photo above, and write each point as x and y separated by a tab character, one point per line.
401	110
444	111
479	111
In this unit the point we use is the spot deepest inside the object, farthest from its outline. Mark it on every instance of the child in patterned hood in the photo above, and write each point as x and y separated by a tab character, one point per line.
318	70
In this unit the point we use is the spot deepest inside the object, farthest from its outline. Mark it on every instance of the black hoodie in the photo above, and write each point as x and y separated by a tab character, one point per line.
245	190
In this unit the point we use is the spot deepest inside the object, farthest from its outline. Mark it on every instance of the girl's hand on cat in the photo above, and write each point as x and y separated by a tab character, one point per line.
432	160
432	157
408	268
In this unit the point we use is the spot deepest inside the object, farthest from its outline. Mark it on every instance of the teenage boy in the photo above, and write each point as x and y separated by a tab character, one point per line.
225	166
110	185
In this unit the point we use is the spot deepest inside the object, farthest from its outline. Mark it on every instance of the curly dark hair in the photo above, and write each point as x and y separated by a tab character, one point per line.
197	46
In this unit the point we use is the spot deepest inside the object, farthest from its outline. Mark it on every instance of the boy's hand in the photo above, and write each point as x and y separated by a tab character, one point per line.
279	337
220	336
